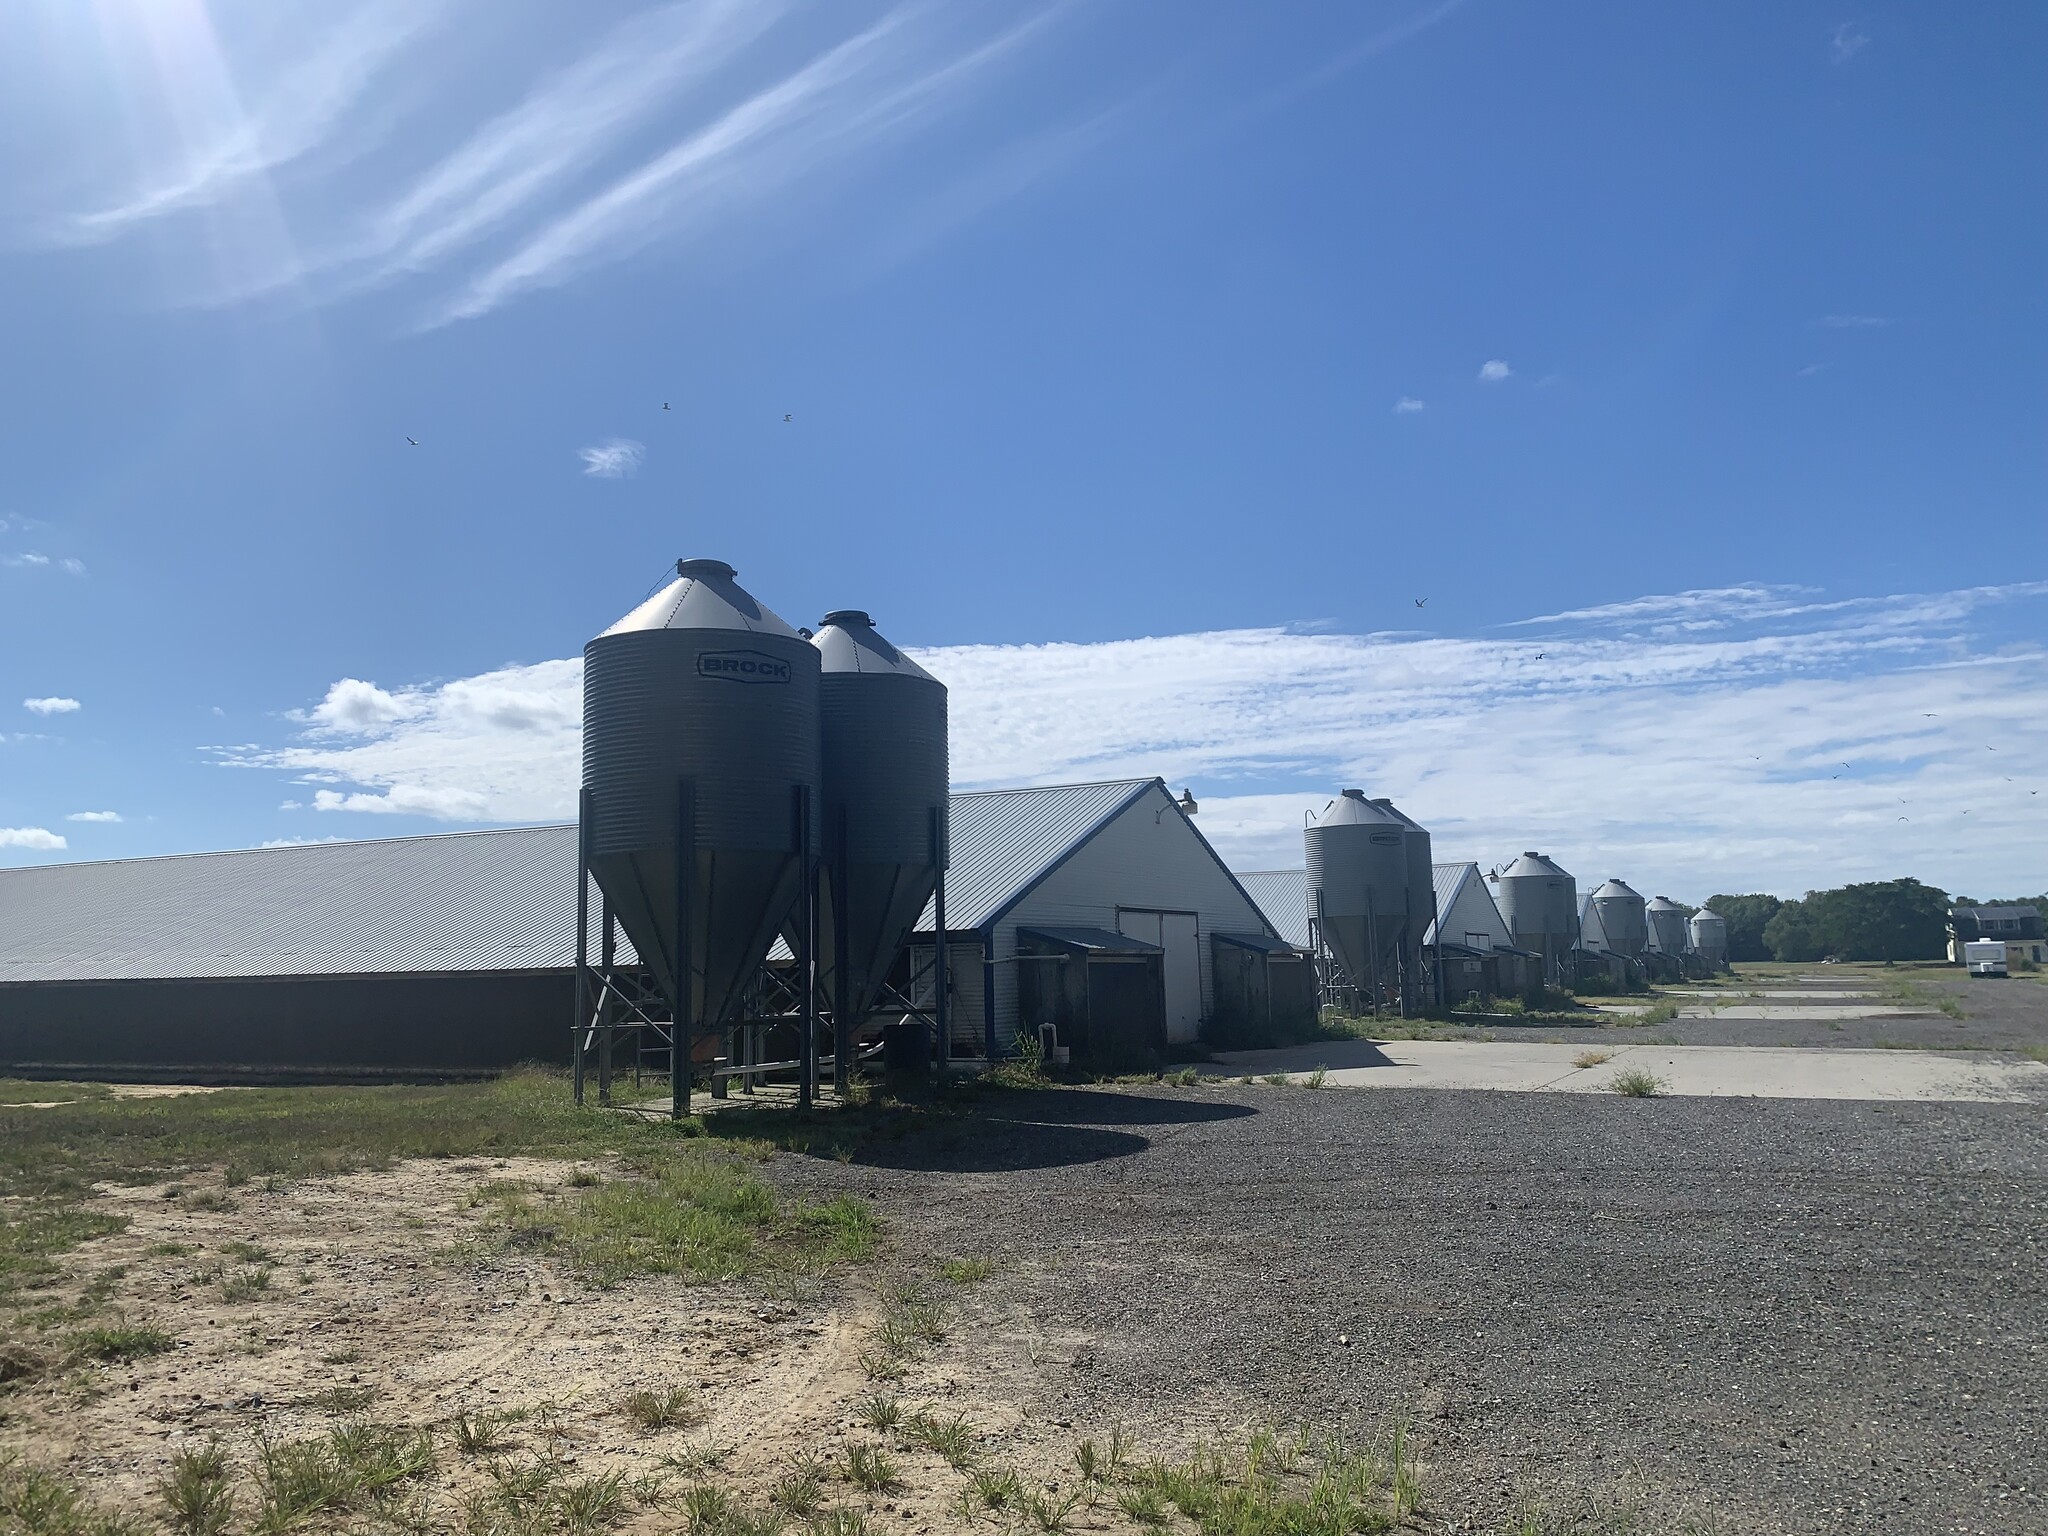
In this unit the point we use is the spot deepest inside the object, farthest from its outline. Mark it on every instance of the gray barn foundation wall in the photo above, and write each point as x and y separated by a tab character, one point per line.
353	1026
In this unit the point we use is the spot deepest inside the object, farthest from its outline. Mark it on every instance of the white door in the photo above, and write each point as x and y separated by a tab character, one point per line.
1177	934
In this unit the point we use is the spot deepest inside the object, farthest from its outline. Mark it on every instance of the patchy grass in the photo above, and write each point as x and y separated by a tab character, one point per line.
664	1409
950	1439
36	1502
335	1473
869	1467
122	1340
16	1090
1661	1012
695	1211
197	1496
1592	1058
966	1271
1637	1084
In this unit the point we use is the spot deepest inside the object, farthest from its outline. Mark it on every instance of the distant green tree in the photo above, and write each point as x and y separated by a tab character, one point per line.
1878	920
1792	933
1746	917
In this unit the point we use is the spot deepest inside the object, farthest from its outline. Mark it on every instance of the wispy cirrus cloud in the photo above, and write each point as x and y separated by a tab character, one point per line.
1408	405
1847	40
1852	322
1697	740
107	816
31	561
565	124
868	85
613	460
214	145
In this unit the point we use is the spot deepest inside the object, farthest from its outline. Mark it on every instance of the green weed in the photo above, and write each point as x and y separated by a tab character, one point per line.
868	1467
197	1498
656	1411
1636	1083
122	1340
966	1271
881	1411
952	1439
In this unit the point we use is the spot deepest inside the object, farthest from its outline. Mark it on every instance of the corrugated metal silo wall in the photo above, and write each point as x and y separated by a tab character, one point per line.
357	1025
1139	860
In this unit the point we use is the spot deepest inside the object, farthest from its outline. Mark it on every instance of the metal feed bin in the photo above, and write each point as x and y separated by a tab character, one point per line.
699	806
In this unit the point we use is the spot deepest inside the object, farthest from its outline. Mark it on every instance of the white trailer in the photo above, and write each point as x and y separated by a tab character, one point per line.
1985	957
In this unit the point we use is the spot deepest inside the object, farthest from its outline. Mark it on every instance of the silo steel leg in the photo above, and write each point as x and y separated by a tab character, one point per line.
681	1032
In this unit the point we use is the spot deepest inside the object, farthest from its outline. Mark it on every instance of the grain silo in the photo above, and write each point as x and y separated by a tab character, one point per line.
1709	931
1667	927
1539	901
883	720
1357	856
1624	927
700	774
1416	990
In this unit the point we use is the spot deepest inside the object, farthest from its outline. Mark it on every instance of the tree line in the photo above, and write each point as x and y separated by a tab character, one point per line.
1879	920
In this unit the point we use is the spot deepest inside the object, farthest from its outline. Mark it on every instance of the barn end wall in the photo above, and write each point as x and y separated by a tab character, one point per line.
1141	859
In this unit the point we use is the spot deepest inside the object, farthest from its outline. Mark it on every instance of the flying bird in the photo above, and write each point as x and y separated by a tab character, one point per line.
787	417
1539	655
1905	818
1930	716
1420	601
414	441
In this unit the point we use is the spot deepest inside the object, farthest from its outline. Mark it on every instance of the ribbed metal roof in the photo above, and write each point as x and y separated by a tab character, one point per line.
456	902
464	901
1004	839
1282	894
1449	879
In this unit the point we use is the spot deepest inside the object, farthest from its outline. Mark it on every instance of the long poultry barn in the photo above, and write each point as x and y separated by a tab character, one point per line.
455	953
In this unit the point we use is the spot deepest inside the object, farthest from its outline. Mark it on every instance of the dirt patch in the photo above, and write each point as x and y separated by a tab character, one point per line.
391	1296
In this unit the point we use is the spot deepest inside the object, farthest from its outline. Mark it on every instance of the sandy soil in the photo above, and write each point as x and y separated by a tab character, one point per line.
383	1286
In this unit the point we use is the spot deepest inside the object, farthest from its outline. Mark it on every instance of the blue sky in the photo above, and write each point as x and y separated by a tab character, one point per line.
1145	363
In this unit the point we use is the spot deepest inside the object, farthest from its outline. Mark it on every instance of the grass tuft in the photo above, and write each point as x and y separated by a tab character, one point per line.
1637	1083
656	1411
868	1467
1592	1058
952	1439
197	1498
881	1411
121	1340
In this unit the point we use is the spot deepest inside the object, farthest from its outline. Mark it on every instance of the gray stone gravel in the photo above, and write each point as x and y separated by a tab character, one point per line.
1807	1316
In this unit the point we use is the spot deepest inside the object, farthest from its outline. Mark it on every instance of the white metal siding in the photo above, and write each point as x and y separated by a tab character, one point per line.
1140	859
1473	911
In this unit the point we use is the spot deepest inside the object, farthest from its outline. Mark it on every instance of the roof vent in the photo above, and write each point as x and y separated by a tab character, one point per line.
703	568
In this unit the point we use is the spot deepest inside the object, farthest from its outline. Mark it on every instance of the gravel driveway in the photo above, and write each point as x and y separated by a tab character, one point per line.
1805	1316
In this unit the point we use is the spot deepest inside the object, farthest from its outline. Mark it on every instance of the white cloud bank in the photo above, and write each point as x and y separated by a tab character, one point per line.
1744	738
38	838
51	706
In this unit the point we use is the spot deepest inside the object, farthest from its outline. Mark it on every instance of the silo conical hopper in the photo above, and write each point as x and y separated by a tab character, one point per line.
1357	856
1623	923
700	714
1666	919
883	719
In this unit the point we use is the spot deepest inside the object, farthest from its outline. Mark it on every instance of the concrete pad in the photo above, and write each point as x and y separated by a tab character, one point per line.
1708	1071
1754	994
